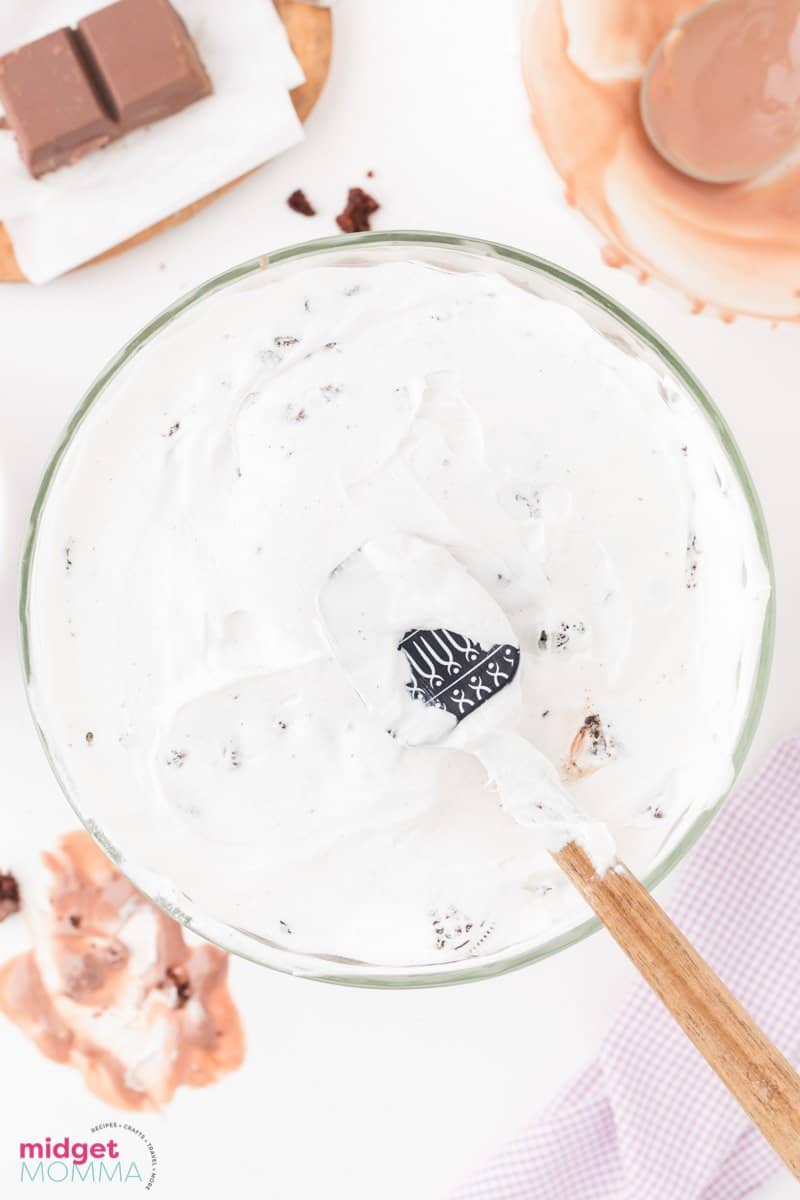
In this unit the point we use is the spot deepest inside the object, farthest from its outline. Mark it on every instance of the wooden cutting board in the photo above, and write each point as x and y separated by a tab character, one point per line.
310	32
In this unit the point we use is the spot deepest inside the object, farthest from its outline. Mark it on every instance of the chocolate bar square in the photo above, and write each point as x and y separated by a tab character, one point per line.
51	104
146	61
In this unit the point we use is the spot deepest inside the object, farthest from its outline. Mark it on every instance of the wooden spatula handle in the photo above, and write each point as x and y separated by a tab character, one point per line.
760	1078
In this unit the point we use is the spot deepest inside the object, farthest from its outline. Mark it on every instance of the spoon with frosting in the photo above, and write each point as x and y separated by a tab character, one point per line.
720	99
431	653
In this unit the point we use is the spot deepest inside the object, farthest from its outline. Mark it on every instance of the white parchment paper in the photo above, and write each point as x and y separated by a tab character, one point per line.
72	214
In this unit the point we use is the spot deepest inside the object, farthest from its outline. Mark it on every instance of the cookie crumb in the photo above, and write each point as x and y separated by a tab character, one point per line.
592	746
179	979
354	218
566	631
9	895
692	562
89	737
299	202
457	934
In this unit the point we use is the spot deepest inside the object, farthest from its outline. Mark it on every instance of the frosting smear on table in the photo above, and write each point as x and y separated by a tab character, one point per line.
181	672
734	246
112	989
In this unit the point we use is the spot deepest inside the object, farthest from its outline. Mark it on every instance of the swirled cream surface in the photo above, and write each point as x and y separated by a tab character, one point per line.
184	682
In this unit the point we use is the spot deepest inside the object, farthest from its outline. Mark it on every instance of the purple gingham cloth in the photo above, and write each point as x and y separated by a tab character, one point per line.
649	1120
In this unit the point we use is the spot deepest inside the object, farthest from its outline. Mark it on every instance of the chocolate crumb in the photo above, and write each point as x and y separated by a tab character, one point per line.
354	218
370	174
592	746
455	932
692	562
543	640
299	202
562	636
9	895
532	503
594	728
75	920
281	724
180	980
599	742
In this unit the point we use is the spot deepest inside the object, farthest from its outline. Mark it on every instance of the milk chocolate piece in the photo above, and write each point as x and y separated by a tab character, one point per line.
51	103
144	59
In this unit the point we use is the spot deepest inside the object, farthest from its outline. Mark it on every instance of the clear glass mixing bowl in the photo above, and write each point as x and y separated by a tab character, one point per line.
454	253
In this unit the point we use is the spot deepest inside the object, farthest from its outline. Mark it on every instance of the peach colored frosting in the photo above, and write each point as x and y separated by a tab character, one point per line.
112	988
736	246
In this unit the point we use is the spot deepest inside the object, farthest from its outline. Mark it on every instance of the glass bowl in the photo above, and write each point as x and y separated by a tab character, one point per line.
454	253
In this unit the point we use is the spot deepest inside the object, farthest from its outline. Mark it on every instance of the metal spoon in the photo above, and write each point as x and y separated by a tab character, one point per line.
720	97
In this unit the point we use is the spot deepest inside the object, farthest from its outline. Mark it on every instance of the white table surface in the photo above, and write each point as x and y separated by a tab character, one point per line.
351	1093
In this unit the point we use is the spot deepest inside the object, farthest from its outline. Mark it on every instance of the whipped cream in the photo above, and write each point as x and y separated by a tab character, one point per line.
390	613
180	670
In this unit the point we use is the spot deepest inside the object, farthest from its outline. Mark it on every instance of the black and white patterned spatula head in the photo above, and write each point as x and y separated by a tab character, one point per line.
451	671
422	642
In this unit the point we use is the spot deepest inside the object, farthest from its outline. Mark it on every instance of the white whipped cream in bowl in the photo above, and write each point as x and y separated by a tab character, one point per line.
443	392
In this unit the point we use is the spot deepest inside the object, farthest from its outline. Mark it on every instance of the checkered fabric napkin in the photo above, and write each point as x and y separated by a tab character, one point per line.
649	1120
